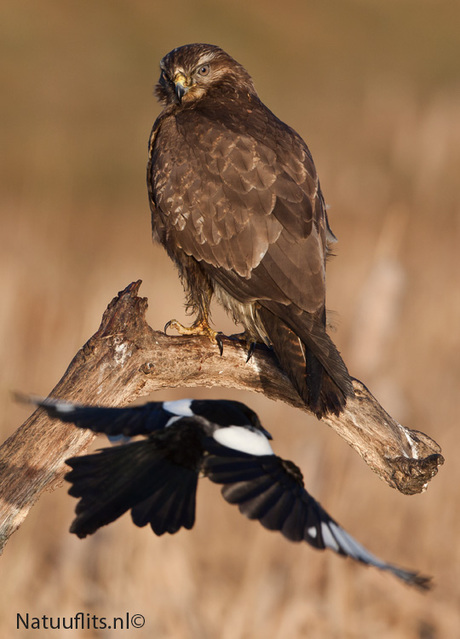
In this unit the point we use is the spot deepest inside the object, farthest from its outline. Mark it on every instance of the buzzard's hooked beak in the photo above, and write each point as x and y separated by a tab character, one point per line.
180	85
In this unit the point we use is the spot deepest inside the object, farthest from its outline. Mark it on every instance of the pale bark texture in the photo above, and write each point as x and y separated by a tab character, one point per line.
126	359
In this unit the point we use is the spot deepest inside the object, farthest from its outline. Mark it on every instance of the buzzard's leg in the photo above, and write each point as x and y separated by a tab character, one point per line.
199	293
199	327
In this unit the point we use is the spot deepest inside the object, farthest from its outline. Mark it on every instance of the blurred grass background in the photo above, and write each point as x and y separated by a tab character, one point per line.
374	88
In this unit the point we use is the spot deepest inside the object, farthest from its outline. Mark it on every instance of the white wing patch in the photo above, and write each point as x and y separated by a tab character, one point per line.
247	441
328	537
354	549
337	538
312	532
60	405
172	420
180	407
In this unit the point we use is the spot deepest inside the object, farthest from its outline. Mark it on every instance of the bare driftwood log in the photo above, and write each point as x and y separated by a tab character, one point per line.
125	359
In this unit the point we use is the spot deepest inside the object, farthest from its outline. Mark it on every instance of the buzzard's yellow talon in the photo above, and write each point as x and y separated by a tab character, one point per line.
200	327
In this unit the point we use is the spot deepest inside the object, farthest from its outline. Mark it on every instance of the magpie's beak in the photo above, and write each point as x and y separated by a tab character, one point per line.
180	85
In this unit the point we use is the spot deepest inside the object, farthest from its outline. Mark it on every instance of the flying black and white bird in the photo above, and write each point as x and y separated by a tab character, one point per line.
156	477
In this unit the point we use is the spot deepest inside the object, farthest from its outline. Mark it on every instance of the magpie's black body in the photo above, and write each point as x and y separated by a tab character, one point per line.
156	477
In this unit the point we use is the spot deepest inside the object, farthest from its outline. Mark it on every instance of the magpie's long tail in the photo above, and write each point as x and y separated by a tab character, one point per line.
134	476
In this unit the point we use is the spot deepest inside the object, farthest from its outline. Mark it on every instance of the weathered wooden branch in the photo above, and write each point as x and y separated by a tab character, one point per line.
125	359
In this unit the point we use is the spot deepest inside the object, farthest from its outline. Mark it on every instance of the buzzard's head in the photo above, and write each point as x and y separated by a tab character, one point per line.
190	72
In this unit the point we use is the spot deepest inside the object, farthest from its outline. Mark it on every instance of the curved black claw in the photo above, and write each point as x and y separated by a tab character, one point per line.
167	325
220	343
251	349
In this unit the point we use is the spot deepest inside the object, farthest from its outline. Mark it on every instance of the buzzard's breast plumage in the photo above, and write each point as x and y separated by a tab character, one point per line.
237	204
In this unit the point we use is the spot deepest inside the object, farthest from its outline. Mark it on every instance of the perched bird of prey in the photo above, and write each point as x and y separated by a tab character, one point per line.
156	477
236	202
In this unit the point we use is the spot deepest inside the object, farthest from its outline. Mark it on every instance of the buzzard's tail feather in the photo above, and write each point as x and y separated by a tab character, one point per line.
133	476
312	363
315	375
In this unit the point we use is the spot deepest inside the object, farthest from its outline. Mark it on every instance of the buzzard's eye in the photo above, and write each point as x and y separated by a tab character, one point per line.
163	77
204	70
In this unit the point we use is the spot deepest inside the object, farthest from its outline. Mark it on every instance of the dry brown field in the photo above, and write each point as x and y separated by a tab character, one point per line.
374	88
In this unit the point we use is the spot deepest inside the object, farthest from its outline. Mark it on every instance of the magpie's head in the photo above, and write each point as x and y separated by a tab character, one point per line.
223	412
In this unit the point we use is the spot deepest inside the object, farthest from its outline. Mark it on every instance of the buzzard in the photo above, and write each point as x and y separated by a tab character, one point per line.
156	477
236	202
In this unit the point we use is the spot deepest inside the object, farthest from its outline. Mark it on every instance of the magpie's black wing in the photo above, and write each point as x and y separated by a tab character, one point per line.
172	506
143	476
270	489
129	421
148	418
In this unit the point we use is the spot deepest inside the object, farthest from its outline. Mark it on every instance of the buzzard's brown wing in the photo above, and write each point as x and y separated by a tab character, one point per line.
242	198
239	193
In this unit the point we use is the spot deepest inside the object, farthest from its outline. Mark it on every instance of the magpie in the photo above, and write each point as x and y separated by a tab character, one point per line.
156	477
